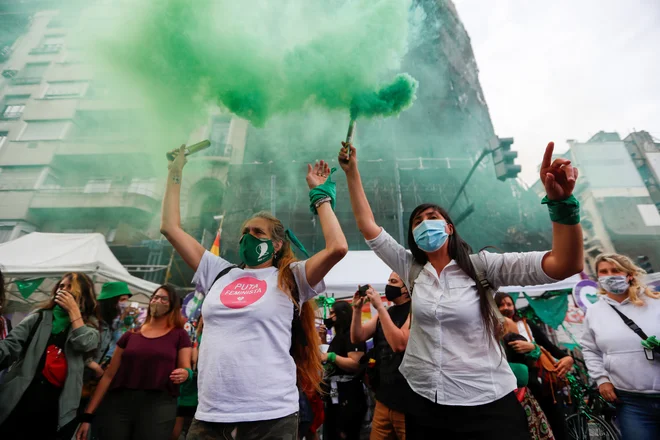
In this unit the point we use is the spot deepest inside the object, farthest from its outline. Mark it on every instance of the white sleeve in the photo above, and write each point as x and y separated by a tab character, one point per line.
398	258
593	357
515	269
209	268
305	291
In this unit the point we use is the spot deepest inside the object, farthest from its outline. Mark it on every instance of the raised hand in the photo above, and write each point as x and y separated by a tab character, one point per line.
65	300
347	163
358	300
317	174
179	160
558	177
374	298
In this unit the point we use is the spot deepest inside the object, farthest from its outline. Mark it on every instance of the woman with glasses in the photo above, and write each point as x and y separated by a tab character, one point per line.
142	381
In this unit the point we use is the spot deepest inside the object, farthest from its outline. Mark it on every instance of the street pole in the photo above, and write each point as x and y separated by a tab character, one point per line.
484	153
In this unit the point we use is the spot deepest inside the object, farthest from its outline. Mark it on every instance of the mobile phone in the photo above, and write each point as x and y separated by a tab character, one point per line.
135	305
362	290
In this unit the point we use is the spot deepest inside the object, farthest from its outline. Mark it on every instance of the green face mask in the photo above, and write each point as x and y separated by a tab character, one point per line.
255	251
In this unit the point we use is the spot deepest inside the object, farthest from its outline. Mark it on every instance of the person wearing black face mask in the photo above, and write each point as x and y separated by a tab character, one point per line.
385	328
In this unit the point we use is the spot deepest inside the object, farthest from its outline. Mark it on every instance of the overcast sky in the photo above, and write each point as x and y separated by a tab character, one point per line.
566	69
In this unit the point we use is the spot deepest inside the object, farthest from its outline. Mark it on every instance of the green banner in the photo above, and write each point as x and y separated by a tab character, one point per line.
550	308
514	296
27	287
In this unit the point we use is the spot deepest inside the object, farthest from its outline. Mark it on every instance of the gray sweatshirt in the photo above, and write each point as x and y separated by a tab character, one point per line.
614	353
23	371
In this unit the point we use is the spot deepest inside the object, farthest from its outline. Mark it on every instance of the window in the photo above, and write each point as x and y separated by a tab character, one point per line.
145	187
45	130
3	137
65	90
98	186
31	73
6	232
22	178
13	111
649	214
49	44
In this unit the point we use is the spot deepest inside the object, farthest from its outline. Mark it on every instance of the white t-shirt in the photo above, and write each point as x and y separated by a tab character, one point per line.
245	370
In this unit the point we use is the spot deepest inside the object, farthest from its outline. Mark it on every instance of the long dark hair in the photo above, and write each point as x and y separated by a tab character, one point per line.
344	313
499	299
108	309
459	251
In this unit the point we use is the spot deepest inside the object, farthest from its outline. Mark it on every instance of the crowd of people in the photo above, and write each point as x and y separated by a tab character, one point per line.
450	358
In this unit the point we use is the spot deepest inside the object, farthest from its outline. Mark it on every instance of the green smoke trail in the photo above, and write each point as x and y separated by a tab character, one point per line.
260	58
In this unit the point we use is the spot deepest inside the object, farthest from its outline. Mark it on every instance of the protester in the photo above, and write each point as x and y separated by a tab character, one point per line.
187	403
390	388
521	363
259	324
142	381
5	323
453	363
547	394
345	400
46	352
625	363
112	301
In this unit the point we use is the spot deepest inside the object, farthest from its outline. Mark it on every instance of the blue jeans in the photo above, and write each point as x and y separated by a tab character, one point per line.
638	416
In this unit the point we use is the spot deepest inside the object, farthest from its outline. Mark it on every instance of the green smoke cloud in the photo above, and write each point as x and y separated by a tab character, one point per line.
259	58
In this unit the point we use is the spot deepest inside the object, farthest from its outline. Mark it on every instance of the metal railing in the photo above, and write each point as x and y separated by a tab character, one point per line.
26	80
46	49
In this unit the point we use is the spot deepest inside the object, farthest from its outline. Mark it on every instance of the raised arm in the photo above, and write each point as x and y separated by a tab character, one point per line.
11	347
364	217
396	337
336	247
566	257
359	332
170	224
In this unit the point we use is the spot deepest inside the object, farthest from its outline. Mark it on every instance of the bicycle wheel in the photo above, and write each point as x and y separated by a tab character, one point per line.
580	426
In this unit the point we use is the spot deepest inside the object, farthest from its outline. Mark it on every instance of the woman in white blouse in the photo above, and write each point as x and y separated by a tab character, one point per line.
462	385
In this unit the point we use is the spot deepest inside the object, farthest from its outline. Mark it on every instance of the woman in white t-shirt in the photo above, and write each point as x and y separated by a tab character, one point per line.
462	385
249	367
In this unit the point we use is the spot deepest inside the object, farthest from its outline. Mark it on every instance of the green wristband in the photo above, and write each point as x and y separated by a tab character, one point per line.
326	189
564	212
332	357
534	354
190	374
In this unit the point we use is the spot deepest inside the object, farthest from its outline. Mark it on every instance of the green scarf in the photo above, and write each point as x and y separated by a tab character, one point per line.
61	320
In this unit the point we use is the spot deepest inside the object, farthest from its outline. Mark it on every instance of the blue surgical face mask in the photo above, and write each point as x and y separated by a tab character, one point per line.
617	284
431	235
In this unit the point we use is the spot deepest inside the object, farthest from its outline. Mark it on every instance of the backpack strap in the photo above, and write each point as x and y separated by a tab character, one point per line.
480	270
630	323
222	273
33	330
415	270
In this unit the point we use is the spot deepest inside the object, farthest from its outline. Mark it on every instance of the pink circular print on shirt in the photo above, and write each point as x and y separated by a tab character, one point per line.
243	292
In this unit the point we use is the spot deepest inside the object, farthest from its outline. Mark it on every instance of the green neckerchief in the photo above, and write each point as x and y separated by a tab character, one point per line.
61	320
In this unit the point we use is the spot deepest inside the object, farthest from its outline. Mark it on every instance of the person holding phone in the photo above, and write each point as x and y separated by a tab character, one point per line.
462	387
345	401
391	388
45	354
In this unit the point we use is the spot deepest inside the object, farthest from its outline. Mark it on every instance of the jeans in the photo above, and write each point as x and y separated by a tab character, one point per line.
638	416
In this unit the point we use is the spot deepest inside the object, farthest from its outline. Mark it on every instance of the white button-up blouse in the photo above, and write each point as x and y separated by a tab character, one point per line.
450	359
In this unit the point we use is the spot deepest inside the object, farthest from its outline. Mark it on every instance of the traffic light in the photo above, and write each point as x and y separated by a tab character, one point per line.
644	263
503	158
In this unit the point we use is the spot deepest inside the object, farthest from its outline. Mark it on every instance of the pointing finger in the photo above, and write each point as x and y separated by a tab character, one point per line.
547	157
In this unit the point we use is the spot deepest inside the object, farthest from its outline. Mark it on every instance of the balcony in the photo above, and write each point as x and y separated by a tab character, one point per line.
46	49
11	115
26	80
79	202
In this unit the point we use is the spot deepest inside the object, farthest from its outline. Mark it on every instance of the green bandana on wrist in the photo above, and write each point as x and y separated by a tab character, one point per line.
564	212
326	189
61	320
332	357
534	354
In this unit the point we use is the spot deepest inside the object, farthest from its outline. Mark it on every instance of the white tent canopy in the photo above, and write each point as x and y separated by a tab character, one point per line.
364	267
42	255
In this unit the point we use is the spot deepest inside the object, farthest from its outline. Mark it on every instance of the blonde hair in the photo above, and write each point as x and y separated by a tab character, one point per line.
626	265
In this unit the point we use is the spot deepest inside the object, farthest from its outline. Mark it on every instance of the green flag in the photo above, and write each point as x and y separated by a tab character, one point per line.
551	309
514	296
27	287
